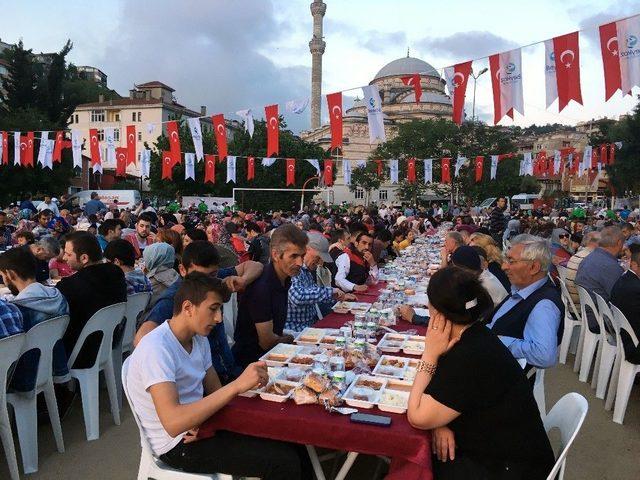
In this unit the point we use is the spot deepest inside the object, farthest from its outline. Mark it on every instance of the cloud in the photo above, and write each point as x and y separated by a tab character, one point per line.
209	52
590	24
375	41
463	46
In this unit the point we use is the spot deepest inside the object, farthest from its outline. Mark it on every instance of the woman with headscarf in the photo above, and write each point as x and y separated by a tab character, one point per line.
512	230
158	260
560	246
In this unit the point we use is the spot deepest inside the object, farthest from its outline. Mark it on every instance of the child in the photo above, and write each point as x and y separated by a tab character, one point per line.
174	388
58	268
24	238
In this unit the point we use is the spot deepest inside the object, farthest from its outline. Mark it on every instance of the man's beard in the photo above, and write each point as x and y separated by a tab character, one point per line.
13	289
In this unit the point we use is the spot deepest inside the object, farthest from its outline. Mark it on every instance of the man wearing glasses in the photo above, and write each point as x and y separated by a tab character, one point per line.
529	320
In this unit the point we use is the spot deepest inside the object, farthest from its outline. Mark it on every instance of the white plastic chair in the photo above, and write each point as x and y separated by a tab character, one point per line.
10	350
104	320
538	389
567	415
43	337
572	320
608	346
591	340
624	372
230	317
150	465
562	272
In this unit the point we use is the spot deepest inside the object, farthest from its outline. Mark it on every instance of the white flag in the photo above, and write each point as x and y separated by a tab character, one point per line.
346	171
510	76
586	159
460	162
521	171
296	106
110	142
528	163
628	32
76	147
196	135
361	163
618	145
247	116
43	151
145	163
16	148
551	83
557	159
315	164
268	161
393	170
428	170
47	145
494	166
190	166
231	169
375	116
97	167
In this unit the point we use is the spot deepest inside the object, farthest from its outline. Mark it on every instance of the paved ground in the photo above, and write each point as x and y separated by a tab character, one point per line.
603	450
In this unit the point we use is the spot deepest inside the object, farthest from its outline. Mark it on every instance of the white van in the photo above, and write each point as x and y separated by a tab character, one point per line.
123	198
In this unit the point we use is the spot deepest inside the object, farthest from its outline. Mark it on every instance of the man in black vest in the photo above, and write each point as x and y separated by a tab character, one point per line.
626	296
529	322
356	264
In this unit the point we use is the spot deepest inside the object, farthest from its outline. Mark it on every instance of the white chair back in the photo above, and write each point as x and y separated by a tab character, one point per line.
567	415
587	301
562	272
606	317
567	299
620	323
136	304
43	336
104	320
230	315
144	443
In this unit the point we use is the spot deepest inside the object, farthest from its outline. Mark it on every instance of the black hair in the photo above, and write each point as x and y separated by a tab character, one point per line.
452	288
122	250
195	287
481	251
45	212
338	234
634	249
231	228
384	235
84	243
146	217
109	225
363	234
200	253
21	261
197	235
28	236
252	227
355	228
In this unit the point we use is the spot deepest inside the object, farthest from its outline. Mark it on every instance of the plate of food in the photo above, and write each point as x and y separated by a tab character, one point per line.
278	391
302	361
393	367
392	342
310	336
393	401
414	345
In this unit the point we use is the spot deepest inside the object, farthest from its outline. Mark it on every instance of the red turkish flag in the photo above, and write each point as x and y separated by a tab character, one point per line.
479	162
251	168
575	162
550	162
220	131
610	59
612	153
5	148
121	161
502	156
291	171
271	114
567	55
94	147
26	149
603	154
446	170
209	168
411	170
328	172
414	80
131	145
57	147
460	79
379	165
167	165
174	143
595	158
540	163
334	102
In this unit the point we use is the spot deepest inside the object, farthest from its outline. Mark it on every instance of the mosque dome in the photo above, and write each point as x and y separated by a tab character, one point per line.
406	66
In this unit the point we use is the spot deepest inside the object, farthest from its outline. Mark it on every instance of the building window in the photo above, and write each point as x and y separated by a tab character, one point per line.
116	134
101	135
117	117
359	194
76	118
382	195
97	116
133	116
139	136
139	116
566	144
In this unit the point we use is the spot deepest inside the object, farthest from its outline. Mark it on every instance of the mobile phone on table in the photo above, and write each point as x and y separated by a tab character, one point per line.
370	419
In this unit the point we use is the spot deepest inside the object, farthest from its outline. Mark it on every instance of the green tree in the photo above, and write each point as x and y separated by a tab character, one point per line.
366	177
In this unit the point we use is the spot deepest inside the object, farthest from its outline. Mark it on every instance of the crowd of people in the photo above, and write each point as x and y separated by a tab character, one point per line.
494	300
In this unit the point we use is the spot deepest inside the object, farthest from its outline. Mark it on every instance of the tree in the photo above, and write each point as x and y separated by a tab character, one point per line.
366	177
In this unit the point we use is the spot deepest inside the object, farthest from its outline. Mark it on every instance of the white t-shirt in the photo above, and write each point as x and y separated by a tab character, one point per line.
158	358
491	283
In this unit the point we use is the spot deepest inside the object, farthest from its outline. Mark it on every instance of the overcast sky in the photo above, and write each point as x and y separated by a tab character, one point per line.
235	54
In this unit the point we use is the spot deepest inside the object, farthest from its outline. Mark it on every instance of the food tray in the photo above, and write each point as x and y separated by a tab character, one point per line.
279	355
351	307
386	367
414	345
392	342
274	397
358	387
314	336
397	390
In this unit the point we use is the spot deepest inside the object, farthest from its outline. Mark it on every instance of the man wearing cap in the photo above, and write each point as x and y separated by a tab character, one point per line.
305	294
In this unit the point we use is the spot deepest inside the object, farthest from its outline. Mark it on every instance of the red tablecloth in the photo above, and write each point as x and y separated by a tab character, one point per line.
408	448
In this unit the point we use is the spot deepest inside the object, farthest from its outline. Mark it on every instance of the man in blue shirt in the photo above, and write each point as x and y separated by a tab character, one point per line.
10	319
202	256
529	321
94	205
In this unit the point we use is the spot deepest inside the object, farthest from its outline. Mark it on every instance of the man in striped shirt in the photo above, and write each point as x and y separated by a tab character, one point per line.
10	319
589	243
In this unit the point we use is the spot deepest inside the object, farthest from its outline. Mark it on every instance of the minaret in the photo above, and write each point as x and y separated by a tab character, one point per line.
316	47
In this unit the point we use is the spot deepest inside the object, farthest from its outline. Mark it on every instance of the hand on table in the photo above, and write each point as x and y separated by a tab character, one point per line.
288	338
360	288
443	443
349	297
255	375
338	294
406	313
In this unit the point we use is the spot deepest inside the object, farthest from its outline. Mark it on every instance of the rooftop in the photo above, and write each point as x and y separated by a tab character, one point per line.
155	84
406	66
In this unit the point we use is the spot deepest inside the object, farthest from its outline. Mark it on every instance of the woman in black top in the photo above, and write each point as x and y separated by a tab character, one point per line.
472	393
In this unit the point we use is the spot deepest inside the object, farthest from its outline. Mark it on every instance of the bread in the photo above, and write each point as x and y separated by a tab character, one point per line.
331	396
316	382
304	396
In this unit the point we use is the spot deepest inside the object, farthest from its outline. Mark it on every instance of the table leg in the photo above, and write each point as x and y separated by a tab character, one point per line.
317	468
346	466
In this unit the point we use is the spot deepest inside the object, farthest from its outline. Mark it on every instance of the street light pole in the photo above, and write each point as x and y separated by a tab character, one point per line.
475	78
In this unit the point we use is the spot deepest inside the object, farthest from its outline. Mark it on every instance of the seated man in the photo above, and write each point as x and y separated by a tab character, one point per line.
589	244
262	309
529	321
44	249
142	236
356	266
37	303
110	229
305	294
453	240
95	285
626	296
121	253
174	389
202	256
